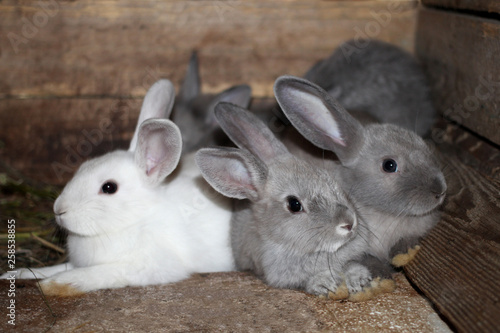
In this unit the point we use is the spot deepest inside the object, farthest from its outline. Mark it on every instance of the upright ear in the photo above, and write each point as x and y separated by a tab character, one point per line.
233	172
157	103
159	149
191	86
249	132
237	95
319	118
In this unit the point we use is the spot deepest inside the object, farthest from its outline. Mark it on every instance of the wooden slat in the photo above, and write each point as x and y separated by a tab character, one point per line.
458	267
119	47
492	6
47	139
469	149
460	55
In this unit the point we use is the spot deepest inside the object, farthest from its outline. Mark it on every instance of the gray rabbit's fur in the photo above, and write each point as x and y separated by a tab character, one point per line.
398	206
314	249
194	111
380	79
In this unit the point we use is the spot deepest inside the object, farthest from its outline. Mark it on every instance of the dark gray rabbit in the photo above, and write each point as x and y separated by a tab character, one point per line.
194	112
389	172
293	226
378	79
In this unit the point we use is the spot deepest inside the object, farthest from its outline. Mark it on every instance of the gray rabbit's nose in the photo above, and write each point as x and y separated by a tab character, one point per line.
347	226
438	187
345	218
439	195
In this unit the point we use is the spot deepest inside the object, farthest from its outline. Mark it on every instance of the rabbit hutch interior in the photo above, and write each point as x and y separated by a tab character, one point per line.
74	75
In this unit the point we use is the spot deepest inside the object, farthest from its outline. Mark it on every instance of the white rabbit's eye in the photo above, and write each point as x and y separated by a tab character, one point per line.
294	205
109	188
389	165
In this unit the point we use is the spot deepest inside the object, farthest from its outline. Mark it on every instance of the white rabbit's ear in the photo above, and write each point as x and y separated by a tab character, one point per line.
238	95
319	118
191	86
159	149
233	172
249	132
157	103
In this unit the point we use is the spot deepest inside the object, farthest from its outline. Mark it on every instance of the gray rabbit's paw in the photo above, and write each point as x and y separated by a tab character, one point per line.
376	287
403	259
357	276
323	283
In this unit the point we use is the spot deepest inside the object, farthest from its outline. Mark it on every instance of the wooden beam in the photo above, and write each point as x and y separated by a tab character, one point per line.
460	56
115	48
458	267
47	139
491	6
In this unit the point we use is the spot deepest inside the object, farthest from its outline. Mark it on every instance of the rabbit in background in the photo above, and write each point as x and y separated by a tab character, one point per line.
194	112
377	81
127	226
292	225
389	172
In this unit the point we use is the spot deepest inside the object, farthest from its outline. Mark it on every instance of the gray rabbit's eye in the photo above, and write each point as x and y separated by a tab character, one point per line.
294	205
389	165
109	188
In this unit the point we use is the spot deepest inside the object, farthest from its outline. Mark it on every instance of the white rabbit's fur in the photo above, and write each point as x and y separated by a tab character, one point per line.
149	231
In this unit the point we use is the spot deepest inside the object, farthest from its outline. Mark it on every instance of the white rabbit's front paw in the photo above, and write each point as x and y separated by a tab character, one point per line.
84	279
52	288
71	283
357	276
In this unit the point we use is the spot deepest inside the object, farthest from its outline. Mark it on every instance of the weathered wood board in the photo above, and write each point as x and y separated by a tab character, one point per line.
66	65
490	6
460	56
47	139
458	267
114	48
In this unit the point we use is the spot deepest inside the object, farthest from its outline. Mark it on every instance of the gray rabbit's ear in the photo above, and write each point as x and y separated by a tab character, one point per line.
238	95
233	172
157	103
191	86
319	118
159	147
249	132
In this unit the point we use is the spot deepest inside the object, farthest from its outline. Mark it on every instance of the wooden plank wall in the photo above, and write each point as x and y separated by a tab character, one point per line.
458	43
68	66
460	54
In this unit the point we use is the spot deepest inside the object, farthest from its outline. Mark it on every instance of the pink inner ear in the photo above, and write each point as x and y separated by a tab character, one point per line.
156	152
316	113
151	164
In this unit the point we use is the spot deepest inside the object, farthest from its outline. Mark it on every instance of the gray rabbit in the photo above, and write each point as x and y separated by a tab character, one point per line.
389	172
378	80
194	111
293	225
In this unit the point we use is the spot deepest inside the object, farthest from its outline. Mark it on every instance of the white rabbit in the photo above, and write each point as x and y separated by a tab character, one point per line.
127	226
293	226
389	172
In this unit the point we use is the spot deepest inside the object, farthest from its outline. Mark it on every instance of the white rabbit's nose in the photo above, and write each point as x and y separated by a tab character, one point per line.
59	207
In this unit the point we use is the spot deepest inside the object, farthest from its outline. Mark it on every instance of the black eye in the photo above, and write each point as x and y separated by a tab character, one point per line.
109	188
389	165
294	205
